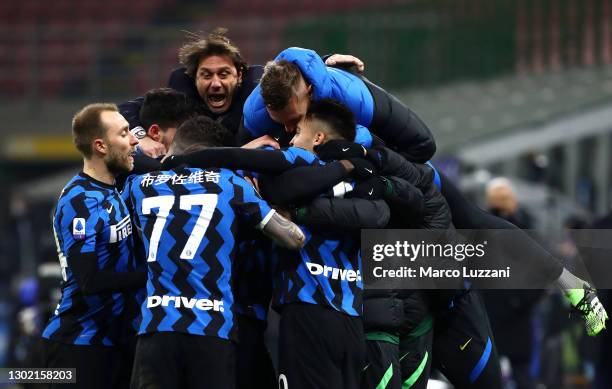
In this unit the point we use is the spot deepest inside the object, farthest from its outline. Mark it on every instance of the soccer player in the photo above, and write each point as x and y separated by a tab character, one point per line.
298	76
188	219
319	296
163	110
93	235
394	319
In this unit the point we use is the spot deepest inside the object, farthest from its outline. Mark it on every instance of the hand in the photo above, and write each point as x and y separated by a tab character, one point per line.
265	140
373	188
151	148
344	60
362	169
338	149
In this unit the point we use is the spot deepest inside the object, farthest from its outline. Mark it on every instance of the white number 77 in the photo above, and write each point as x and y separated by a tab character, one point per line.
164	203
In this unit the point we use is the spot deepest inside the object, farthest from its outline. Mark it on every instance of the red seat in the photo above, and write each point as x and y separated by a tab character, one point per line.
72	35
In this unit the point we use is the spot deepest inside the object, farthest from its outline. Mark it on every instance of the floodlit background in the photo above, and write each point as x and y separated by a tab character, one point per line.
521	89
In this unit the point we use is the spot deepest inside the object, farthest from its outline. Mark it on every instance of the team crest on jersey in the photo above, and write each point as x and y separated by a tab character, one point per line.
78	228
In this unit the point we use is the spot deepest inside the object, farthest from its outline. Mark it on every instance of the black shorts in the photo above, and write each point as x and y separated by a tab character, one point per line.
254	368
96	366
168	360
319	348
463	344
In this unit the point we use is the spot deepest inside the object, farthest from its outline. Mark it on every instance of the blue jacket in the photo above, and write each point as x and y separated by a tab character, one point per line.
373	107
327	83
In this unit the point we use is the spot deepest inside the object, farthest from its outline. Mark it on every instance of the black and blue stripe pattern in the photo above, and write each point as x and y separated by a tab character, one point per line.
326	271
335	256
188	220
90	218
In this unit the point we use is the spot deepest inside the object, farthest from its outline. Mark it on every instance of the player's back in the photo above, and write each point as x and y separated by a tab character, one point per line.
188	219
326	271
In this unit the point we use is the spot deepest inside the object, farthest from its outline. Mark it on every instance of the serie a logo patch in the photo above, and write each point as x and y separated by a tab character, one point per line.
78	228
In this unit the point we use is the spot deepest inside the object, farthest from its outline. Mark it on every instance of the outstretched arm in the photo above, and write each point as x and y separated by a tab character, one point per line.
235	158
303	184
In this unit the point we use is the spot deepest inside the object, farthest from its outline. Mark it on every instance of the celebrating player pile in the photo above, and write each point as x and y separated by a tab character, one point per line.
214	253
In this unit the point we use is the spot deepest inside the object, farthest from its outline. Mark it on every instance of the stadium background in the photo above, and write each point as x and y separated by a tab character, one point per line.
519	88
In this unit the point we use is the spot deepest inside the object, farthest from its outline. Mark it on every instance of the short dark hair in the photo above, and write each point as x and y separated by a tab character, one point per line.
87	125
200	131
278	83
215	43
165	107
338	117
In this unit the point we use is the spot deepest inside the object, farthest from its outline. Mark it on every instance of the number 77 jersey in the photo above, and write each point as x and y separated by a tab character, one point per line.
188	220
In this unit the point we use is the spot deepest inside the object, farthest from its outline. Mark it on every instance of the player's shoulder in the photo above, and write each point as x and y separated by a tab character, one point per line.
229	174
80	189
76	203
293	153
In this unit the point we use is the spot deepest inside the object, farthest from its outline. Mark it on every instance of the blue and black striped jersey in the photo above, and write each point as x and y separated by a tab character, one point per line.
327	271
90	219
188	219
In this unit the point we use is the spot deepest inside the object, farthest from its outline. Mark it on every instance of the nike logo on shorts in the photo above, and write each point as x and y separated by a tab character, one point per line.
465	345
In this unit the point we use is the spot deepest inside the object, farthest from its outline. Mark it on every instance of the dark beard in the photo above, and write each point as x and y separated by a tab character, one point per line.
114	164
